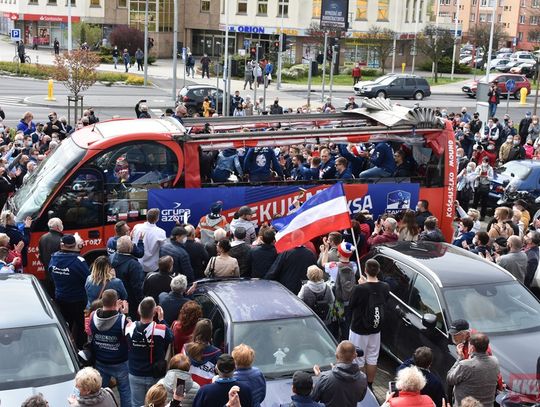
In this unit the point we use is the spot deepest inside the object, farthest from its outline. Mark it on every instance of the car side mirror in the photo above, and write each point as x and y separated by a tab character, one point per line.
537	200
429	321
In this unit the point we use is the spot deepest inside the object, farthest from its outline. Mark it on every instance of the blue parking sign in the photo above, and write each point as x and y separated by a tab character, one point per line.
510	85
15	34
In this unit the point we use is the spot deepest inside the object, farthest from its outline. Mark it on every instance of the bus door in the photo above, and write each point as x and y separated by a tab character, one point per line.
80	204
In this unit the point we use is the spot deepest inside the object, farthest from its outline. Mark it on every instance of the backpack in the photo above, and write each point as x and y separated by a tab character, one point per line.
345	283
318	304
374	313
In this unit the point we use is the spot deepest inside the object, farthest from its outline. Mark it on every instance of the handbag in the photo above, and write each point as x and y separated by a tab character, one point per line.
159	367
212	270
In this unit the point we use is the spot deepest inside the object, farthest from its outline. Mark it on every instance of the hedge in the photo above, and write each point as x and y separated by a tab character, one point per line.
445	66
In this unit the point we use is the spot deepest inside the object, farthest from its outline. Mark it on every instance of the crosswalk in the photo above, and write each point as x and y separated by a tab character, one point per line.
11	101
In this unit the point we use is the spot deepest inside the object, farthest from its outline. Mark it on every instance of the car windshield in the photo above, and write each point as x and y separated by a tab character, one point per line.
494	308
29	200
286	345
518	170
386	80
33	357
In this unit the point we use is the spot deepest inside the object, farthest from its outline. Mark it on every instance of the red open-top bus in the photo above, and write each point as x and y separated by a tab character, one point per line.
79	182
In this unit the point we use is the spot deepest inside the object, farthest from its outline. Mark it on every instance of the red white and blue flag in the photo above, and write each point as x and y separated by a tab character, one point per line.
324	212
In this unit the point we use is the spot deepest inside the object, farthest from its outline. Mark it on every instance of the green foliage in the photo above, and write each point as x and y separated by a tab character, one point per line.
370	72
135	80
32	70
108	59
84	32
296	72
112	77
445	66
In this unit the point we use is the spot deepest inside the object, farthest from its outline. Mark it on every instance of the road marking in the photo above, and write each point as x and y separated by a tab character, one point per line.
157	111
11	101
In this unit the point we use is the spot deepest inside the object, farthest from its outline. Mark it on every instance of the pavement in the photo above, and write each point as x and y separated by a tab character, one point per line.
160	75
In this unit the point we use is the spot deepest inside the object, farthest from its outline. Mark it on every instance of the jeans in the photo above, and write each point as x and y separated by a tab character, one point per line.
139	386
206	70
115	60
375	172
120	372
492	109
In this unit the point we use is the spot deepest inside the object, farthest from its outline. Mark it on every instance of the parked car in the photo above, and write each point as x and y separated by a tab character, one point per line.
521	82
266	316
193	97
433	284
506	68
525	68
395	86
36	352
523	56
499	63
504	55
522	175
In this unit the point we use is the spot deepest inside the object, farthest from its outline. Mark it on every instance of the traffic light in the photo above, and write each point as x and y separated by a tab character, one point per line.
284	45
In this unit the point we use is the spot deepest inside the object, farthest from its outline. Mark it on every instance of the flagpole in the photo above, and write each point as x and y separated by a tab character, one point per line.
356	250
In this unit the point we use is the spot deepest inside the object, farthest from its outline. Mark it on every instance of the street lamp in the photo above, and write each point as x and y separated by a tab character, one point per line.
417	14
175	50
70	40
490	49
146	43
455	41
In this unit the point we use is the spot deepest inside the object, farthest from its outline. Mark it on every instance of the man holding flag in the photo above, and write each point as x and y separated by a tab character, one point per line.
324	212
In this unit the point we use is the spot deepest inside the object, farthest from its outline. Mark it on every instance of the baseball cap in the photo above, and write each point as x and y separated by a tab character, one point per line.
178	231
216	207
225	364
457	326
68	240
302	382
501	241
528	114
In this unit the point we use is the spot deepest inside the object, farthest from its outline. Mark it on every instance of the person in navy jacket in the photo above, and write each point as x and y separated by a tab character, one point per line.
122	229
342	169
109	344
382	160
147	343
465	234
299	171
69	272
356	163
327	169
259	163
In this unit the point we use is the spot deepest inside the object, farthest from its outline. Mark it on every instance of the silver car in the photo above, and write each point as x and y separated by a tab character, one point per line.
36	353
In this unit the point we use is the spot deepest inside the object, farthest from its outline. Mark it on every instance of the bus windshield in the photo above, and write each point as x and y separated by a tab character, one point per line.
30	198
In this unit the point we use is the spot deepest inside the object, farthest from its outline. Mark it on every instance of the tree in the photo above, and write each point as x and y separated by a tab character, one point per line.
89	33
127	37
480	37
435	43
382	40
76	70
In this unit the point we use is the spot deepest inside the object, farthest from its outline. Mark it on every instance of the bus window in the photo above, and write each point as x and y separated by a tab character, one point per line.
80	201
129	171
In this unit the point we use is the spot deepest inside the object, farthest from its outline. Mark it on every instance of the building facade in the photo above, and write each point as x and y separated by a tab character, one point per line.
43	21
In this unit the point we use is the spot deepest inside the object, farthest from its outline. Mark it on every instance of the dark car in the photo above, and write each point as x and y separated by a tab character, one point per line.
192	97
395	86
433	284
285	333
36	353
521	175
520	82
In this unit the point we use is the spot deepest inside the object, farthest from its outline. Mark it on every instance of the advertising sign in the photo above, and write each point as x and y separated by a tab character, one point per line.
189	205
334	14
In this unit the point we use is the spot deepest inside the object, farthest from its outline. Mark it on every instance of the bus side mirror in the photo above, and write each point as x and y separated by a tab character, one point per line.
429	321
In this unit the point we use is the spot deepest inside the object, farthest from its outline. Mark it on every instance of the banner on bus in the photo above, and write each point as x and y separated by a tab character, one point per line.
189	205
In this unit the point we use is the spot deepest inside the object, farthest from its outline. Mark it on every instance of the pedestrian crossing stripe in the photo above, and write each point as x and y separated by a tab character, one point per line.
11	101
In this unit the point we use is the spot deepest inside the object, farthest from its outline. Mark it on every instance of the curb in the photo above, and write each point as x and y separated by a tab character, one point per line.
60	104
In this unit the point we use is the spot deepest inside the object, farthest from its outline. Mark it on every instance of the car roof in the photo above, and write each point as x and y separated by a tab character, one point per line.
200	86
248	300
446	265
23	302
528	163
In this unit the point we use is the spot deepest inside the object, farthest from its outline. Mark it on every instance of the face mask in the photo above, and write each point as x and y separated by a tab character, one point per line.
475	242
490	148
485	165
28	144
183	240
470	169
509	140
516	142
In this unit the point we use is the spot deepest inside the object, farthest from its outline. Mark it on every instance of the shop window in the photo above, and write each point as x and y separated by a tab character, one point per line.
382	14
205	6
122	3
33	2
361	10
262	7
283	8
52	3
95	3
242	7
316	9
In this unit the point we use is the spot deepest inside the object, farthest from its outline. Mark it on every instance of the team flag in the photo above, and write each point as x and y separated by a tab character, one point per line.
323	213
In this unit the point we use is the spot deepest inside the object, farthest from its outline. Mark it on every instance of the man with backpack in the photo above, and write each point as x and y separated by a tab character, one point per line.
367	304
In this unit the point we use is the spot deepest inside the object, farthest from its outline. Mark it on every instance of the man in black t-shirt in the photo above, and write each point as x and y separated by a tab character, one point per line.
367	303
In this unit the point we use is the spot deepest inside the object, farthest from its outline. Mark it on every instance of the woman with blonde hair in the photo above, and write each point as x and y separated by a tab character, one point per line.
102	276
88	384
244	356
156	396
179	369
501	228
317	294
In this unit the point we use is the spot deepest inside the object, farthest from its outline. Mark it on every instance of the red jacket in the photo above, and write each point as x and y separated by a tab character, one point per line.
411	399
384	238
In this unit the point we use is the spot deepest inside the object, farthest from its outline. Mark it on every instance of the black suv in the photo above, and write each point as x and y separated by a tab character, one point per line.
394	86
433	284
192	97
